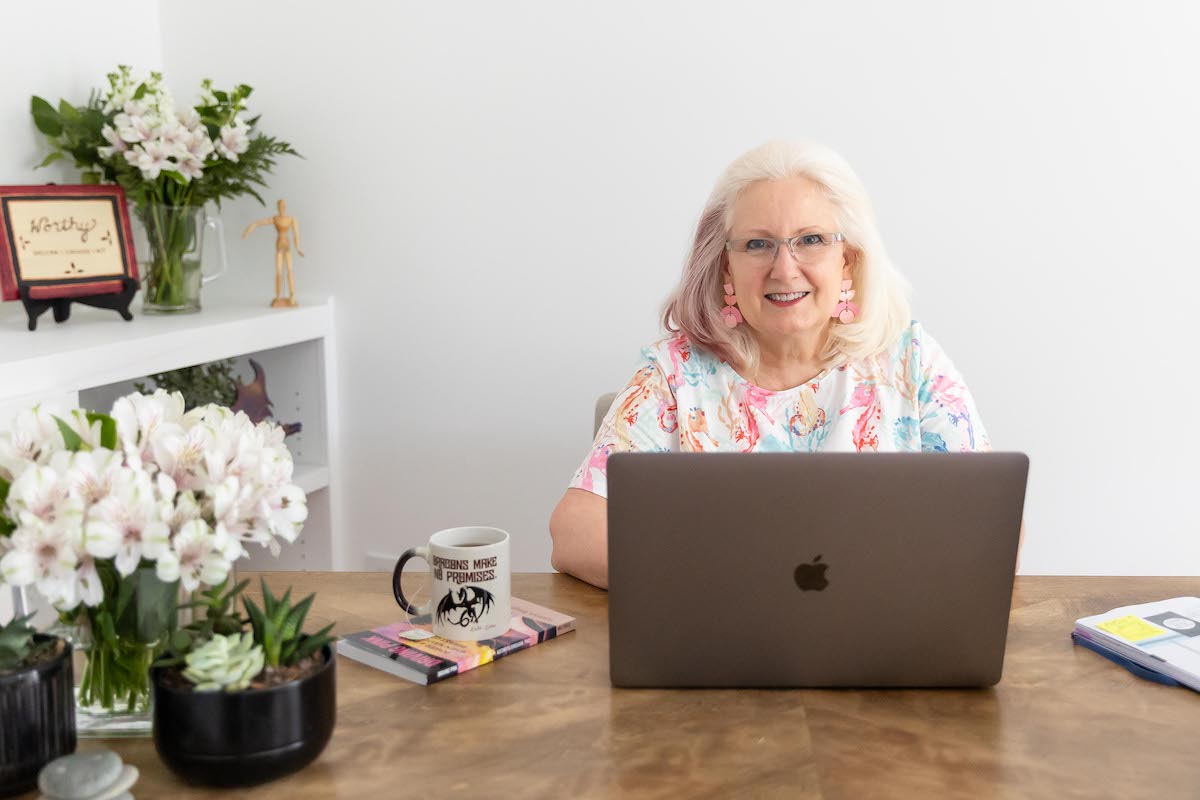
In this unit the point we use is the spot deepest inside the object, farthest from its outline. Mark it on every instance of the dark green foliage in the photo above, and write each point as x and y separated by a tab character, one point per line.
6	525
16	643
200	385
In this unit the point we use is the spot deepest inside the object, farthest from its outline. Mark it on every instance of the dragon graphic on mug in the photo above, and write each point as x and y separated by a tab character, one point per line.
472	603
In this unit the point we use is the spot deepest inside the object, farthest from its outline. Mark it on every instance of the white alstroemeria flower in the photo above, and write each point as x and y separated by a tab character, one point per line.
199	146
226	430
43	554
189	118
151	158
130	523
134	129
175	136
88	474
118	145
240	512
33	439
88	586
193	558
40	492
234	139
276	468
186	509
179	452
190	168
288	508
232	504
139	415
135	108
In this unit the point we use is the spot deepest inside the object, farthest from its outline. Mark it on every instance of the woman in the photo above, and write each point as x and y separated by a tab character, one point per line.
790	331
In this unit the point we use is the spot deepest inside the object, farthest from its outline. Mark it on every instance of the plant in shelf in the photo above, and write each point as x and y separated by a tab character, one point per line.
221	677
170	161
109	515
200	385
38	720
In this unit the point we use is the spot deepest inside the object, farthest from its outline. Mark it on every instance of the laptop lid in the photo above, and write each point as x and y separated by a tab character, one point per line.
811	570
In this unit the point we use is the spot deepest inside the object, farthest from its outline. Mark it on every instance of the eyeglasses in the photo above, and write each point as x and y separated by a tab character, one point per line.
805	248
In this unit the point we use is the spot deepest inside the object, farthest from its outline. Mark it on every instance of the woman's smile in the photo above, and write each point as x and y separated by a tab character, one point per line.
786	300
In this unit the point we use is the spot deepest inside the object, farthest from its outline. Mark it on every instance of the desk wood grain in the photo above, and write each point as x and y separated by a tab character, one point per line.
1062	723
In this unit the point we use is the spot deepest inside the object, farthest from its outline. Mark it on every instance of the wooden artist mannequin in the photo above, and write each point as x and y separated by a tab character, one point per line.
283	252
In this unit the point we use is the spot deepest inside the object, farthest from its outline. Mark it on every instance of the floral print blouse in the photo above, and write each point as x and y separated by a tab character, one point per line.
683	398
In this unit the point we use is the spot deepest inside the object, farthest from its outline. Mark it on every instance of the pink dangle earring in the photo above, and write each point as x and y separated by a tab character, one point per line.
730	313
845	311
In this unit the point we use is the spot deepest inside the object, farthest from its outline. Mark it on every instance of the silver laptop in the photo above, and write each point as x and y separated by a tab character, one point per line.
811	570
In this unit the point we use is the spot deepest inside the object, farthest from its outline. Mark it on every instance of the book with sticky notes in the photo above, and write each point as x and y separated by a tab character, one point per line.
1159	641
409	649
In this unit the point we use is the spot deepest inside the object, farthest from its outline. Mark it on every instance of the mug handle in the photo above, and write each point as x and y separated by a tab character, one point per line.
414	552
214	224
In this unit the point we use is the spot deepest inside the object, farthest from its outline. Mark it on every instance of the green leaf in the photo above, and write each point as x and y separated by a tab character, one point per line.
235	591
175	176
257	619
70	438
124	595
181	641
106	626
89	179
68	112
313	643
6	526
140	92
108	429
48	160
45	117
295	618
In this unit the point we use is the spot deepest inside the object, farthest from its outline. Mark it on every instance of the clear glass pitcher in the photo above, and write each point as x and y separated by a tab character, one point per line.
172	258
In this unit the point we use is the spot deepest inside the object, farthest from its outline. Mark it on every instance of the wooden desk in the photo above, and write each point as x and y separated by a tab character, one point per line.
545	723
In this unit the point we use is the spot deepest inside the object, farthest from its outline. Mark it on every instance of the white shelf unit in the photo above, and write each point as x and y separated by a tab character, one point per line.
95	357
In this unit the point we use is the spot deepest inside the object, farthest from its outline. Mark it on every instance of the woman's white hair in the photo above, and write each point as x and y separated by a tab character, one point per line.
880	292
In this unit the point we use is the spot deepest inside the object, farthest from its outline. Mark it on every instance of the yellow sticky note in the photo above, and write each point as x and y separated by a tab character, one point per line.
1132	629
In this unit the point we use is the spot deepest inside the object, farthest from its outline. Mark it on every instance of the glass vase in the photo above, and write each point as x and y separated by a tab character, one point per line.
119	641
172	258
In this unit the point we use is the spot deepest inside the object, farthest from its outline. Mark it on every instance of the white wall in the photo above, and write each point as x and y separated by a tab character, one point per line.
63	54
500	196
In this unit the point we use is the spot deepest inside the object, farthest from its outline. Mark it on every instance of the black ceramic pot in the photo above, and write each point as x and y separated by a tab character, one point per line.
37	720
248	737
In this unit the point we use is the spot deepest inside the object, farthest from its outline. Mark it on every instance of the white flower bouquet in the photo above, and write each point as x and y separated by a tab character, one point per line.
107	515
170	160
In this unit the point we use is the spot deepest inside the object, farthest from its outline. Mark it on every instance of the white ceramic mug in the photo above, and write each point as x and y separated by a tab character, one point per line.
471	576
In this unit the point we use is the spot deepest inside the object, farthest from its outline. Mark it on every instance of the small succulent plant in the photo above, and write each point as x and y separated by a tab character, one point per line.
16	643
278	627
224	662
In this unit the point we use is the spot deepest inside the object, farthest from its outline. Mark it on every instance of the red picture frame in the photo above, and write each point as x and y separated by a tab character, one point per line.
46	258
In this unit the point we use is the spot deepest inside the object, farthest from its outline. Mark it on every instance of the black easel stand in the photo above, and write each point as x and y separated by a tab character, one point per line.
118	302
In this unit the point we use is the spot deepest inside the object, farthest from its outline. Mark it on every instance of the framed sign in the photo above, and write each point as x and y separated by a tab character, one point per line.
64	244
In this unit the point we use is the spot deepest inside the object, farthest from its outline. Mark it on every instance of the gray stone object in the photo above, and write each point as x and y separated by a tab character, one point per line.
80	775
94	775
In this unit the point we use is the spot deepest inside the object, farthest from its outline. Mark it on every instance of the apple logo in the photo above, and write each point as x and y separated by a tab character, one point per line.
812	576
